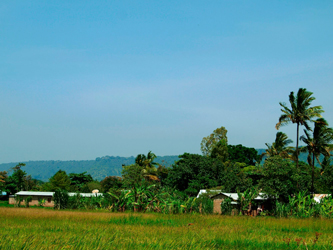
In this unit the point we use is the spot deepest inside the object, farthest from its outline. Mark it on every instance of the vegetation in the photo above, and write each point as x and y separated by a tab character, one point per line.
48	229
300	113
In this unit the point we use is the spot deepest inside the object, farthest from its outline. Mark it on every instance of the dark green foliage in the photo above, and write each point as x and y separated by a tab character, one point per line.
226	206
132	175
18	200
194	172
111	182
27	200
326	176
220	151
204	204
61	199
232	178
16	182
162	173
59	181
278	178
239	153
79	181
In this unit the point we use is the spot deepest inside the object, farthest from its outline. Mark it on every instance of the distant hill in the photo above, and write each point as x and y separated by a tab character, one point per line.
98	168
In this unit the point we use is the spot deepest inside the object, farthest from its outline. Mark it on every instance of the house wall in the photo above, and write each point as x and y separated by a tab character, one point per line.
217	206
35	200
11	200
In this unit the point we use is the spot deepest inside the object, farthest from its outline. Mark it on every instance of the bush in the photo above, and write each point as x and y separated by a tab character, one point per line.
27	200
205	205
61	199
18	200
226	206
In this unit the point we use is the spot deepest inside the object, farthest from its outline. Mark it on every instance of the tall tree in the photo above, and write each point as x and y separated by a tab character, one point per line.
60	181
278	179
3	177
299	113
279	146
148	165
16	181
320	143
194	172
220	151
240	153
208	143
79	181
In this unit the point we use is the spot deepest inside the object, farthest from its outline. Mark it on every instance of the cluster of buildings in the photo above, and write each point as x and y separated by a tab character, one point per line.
261	202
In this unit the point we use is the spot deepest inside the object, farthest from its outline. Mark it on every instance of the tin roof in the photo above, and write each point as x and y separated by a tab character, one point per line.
233	196
36	193
318	197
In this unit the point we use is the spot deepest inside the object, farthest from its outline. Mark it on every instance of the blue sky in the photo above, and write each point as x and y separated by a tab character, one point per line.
83	79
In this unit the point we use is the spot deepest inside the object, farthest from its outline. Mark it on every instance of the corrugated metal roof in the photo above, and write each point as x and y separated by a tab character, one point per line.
233	196
318	197
36	193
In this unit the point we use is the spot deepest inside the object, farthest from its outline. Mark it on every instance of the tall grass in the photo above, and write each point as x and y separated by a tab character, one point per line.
22	228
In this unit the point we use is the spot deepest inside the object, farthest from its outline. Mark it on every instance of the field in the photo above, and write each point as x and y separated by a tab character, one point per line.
35	228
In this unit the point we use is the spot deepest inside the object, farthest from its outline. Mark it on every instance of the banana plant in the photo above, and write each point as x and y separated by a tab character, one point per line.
121	200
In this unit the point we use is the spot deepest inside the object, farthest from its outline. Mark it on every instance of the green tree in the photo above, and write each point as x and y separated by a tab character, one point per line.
111	182
194	172
59	181
208	143
132	175
327	176
299	113
3	178
240	153
148	165
320	143
61	199
278	178
233	178
220	151
79	181
162	173
279	146
16	181
29	183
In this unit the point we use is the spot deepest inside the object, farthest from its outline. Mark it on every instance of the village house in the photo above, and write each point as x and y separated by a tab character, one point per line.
46	196
219	196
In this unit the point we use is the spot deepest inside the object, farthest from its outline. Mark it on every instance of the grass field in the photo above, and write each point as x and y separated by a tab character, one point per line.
31	228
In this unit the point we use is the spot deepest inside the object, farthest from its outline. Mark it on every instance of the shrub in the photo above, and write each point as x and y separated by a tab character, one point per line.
61	199
18	200
226	206
27	200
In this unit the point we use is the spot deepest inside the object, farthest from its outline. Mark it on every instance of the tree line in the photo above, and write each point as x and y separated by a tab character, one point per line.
223	167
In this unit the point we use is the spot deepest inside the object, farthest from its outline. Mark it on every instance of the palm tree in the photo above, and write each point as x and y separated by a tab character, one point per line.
279	146
319	143
148	165
148	160
300	112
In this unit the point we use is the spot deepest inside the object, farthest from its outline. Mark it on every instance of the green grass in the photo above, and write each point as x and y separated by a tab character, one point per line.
5	204
31	228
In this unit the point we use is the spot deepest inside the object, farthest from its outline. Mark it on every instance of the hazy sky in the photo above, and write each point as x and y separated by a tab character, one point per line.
83	79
